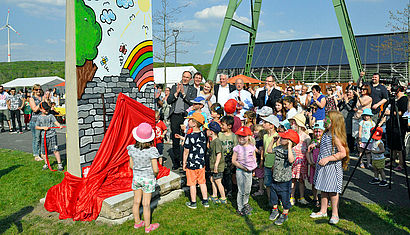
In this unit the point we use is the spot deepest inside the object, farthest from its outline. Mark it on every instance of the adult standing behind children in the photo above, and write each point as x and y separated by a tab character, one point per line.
379	95
194	160
144	164
180	100
318	100
268	96
223	89
243	97
35	101
15	106
4	113
333	158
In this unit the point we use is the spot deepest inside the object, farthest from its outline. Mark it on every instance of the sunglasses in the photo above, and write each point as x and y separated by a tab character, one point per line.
36	89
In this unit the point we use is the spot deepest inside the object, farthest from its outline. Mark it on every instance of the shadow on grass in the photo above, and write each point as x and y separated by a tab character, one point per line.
8	170
371	221
15	218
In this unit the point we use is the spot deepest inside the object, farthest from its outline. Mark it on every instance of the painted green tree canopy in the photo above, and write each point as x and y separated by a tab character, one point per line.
88	33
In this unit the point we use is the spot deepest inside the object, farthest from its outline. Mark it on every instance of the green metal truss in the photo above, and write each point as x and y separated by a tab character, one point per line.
342	17
349	40
228	22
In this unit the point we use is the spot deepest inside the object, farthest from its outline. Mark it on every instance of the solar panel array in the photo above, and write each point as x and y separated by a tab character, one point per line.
316	52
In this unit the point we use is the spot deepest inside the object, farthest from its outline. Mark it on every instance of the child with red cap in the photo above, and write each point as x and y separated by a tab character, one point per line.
282	173
244	158
378	158
230	109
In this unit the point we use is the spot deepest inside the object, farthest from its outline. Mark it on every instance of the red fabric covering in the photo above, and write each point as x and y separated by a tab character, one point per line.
109	175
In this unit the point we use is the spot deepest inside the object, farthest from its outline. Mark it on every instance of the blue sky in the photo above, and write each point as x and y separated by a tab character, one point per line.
41	24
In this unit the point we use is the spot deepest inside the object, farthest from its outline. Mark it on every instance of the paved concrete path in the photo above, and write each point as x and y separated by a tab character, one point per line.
359	189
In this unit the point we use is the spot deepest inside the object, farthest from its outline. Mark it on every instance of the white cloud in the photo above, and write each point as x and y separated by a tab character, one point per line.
14	45
214	12
44	8
51	41
276	35
45	2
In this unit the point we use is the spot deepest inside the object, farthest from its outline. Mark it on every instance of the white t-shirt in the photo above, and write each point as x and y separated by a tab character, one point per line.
3	98
223	95
292	112
375	147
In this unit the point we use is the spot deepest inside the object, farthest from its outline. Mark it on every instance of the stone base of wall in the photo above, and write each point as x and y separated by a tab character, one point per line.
90	108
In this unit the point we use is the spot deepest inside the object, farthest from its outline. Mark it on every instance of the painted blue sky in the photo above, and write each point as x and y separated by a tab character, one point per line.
41	24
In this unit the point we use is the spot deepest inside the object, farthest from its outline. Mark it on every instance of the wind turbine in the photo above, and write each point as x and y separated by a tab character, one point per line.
8	27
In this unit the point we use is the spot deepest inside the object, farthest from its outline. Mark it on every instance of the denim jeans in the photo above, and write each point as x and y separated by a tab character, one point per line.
244	180
36	139
281	190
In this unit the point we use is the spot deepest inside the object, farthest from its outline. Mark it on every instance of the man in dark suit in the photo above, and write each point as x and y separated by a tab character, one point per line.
180	100
223	89
267	96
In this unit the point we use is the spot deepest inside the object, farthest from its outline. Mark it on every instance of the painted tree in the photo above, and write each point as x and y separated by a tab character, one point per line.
88	37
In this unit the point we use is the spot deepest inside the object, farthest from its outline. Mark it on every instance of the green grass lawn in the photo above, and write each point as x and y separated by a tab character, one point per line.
23	183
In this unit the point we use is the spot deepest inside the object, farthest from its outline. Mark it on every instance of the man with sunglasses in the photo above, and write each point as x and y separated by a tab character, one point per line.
4	112
267	96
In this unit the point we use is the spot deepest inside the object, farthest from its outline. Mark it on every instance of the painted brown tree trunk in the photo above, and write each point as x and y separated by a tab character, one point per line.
85	74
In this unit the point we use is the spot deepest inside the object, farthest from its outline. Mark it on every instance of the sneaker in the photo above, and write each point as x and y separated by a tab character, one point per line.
45	167
303	201
383	183
292	201
223	201
246	212
215	200
374	181
139	225
370	166
247	207
191	205
274	215
282	219
334	220
205	203
258	193
151	228
60	167
317	215
399	168
2	130
240	213
362	165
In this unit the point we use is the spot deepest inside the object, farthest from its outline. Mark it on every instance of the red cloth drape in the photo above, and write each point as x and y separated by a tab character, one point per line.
109	175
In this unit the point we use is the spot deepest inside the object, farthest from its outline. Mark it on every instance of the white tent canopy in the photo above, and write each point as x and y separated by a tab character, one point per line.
45	82
174	74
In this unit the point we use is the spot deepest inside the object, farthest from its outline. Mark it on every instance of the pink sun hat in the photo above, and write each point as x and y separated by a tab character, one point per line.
143	133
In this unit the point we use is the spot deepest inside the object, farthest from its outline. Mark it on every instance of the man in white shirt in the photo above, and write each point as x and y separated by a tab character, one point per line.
223	89
4	108
243	97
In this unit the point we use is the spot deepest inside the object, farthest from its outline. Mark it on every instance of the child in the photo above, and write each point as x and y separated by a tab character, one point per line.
290	103
284	126
217	163
160	132
259	172
282	173
229	141
230	109
250	119
364	135
313	153
244	158
270	124
43	123
197	105
217	112
27	111
144	165
333	158
279	110
299	167
378	159
194	159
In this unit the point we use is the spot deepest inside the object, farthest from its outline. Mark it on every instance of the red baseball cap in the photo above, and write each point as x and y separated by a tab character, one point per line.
290	135
378	133
230	106
244	131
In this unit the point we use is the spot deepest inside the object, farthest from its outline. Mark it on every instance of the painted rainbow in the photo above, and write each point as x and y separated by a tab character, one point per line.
140	63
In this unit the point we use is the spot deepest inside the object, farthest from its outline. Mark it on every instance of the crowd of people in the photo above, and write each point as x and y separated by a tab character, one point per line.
234	137
37	108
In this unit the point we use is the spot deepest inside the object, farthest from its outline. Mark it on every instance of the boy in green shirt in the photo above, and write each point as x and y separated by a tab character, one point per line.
228	140
216	162
270	123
